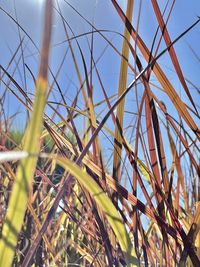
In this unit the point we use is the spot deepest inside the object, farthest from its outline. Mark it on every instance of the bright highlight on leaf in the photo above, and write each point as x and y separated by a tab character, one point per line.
13	155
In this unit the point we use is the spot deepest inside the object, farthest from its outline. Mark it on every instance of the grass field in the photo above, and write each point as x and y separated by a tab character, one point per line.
108	178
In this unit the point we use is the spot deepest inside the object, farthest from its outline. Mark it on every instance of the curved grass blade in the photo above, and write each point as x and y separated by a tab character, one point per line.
107	207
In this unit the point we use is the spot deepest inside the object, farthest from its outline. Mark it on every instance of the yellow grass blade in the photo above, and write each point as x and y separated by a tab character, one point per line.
142	167
179	170
107	207
22	185
23	182
121	89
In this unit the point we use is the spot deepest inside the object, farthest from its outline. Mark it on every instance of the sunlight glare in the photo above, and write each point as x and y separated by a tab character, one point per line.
40	1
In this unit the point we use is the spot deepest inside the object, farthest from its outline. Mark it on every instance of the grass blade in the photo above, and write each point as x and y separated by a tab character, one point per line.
107	207
121	88
23	183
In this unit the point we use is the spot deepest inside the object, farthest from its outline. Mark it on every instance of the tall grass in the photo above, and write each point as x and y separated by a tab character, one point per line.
64	199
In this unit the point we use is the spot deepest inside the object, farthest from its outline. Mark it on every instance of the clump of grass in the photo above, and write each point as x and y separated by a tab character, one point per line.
64	200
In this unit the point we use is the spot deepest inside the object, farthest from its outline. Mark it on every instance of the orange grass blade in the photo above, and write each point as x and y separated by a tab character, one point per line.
171	50
167	86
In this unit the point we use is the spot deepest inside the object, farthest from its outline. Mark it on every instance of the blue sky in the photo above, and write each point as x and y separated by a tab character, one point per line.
103	15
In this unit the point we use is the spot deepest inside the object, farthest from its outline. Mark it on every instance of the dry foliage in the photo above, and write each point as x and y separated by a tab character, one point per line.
65	200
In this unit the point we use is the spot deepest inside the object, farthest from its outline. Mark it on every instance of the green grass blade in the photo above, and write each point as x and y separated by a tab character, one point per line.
23	182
